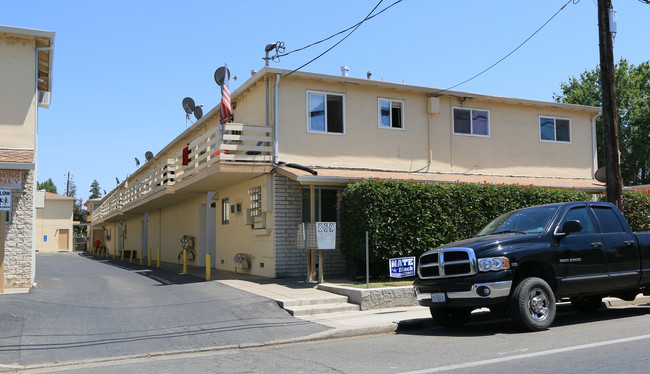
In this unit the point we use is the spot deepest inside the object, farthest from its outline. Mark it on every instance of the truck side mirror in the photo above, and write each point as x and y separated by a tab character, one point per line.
567	228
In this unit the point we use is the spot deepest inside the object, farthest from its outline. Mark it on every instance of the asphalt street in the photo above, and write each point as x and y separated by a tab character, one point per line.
83	309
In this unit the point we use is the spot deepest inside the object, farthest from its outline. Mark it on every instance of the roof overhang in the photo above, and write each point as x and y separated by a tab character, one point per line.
341	177
45	46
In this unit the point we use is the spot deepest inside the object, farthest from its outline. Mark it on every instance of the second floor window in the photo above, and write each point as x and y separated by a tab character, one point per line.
391	114
325	112
468	121
555	129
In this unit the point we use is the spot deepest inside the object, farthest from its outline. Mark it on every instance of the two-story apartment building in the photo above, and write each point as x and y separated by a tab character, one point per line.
25	84
241	189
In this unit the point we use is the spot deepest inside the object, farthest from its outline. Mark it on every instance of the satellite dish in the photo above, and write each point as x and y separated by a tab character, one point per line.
198	112
104	192
188	105
137	162
601	175
148	155
222	74
117	180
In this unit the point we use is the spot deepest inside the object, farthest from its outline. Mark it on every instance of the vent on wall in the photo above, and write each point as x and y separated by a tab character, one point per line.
44	99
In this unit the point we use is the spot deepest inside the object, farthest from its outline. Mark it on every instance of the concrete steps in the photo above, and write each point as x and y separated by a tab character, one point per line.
324	303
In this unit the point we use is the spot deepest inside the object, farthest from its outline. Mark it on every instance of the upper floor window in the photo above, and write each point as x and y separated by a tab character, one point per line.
325	112
391	114
555	129
469	121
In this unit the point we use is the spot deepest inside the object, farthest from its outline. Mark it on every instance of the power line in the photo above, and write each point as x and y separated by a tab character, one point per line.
342	31
339	42
514	50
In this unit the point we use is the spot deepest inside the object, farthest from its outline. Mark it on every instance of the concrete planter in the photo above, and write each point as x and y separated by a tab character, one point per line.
375	298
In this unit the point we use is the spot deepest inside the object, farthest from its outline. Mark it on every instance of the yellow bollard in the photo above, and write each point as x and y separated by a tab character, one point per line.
141	257
131	257
122	255
149	258
114	250
184	261
106	253
158	260
207	266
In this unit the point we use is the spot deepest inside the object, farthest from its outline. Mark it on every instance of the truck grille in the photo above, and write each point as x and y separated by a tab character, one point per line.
448	262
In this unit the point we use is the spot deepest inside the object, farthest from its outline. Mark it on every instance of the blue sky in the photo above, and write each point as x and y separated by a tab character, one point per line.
121	68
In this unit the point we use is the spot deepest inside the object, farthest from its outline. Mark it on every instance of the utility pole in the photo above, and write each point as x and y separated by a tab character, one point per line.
614	184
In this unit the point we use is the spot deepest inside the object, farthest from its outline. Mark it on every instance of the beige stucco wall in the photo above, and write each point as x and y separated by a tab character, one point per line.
513	147
55	216
17	93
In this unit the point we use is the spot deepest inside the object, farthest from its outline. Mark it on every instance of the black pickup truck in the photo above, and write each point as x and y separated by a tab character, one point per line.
524	261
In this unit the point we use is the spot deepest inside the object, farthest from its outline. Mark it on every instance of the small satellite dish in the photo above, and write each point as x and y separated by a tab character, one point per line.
117	180
148	155
222	74
188	105
601	175
104	192
137	162
198	112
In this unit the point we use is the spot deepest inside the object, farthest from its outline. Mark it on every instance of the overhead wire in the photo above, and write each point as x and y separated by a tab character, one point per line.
354	28
513	51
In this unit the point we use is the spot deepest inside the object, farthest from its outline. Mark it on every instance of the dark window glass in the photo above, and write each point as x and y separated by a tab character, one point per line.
580	214
608	220
462	124
547	128
326	205
335	113
397	115
562	132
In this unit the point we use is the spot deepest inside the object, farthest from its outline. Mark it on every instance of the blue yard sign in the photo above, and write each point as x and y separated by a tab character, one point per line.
402	267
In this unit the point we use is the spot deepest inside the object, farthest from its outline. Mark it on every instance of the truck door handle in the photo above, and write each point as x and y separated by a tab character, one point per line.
596	244
629	242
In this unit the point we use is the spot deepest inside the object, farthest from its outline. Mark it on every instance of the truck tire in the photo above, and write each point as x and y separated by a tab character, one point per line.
587	304
532	305
450	317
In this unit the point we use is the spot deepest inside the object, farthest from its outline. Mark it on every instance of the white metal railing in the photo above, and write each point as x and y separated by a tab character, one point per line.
229	142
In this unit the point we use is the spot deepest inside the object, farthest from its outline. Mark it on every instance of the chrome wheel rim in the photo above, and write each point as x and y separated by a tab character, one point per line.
538	304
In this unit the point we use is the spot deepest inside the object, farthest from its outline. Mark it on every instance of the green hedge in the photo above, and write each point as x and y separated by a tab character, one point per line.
636	207
407	219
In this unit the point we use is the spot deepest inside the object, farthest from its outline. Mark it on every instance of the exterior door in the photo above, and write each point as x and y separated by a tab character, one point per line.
64	236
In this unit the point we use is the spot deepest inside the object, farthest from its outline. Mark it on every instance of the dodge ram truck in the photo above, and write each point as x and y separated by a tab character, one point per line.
524	261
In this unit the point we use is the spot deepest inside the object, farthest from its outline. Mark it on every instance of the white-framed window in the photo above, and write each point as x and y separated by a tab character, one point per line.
470	121
554	129
325	112
391	113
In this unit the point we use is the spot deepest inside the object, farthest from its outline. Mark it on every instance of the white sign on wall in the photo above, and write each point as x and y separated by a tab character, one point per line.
10	179
5	200
326	235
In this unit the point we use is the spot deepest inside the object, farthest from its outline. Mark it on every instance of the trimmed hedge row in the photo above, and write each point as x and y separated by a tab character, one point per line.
407	219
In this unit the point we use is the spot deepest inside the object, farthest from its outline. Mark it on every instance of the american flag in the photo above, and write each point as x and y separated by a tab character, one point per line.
226	110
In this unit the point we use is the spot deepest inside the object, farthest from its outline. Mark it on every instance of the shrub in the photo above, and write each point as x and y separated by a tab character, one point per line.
407	218
636	209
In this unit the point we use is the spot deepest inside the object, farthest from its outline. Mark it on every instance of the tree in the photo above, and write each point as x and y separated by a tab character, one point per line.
48	186
633	100
94	190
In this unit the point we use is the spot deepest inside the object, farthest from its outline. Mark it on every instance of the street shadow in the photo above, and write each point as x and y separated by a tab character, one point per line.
484	323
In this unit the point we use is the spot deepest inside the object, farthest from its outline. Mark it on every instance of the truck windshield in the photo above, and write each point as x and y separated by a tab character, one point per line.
527	221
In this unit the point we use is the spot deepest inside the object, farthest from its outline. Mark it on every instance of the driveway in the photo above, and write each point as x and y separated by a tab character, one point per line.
84	309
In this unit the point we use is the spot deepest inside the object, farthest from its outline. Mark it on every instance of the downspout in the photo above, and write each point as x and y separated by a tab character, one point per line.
276	119
594	150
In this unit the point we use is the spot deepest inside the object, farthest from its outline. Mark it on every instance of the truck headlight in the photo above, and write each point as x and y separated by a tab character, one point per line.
493	263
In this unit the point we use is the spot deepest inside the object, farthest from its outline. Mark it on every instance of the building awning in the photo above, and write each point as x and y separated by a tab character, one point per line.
332	176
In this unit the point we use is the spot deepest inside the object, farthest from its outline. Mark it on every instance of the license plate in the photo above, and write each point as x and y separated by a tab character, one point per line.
438	297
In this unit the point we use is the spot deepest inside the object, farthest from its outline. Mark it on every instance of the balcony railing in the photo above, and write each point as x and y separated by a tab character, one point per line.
231	142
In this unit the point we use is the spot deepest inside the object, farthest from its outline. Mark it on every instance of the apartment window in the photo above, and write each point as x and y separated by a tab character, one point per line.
326	203
467	121
555	129
225	211
391	114
325	112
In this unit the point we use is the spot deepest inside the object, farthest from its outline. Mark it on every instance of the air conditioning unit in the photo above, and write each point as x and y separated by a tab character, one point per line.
44	99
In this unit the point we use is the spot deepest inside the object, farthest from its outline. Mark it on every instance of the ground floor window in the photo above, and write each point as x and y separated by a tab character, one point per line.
326	205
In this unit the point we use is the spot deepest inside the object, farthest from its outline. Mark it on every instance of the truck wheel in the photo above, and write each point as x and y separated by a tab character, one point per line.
587	304
450	317
532	305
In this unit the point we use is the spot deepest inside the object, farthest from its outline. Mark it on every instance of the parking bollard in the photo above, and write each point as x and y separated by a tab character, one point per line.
158	260
141	254
122	255
207	266
131	257
149	258
184	261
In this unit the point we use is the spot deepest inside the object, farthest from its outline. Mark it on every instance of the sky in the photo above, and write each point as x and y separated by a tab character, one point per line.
121	68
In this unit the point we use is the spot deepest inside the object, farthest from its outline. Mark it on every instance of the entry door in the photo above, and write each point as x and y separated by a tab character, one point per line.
64	235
